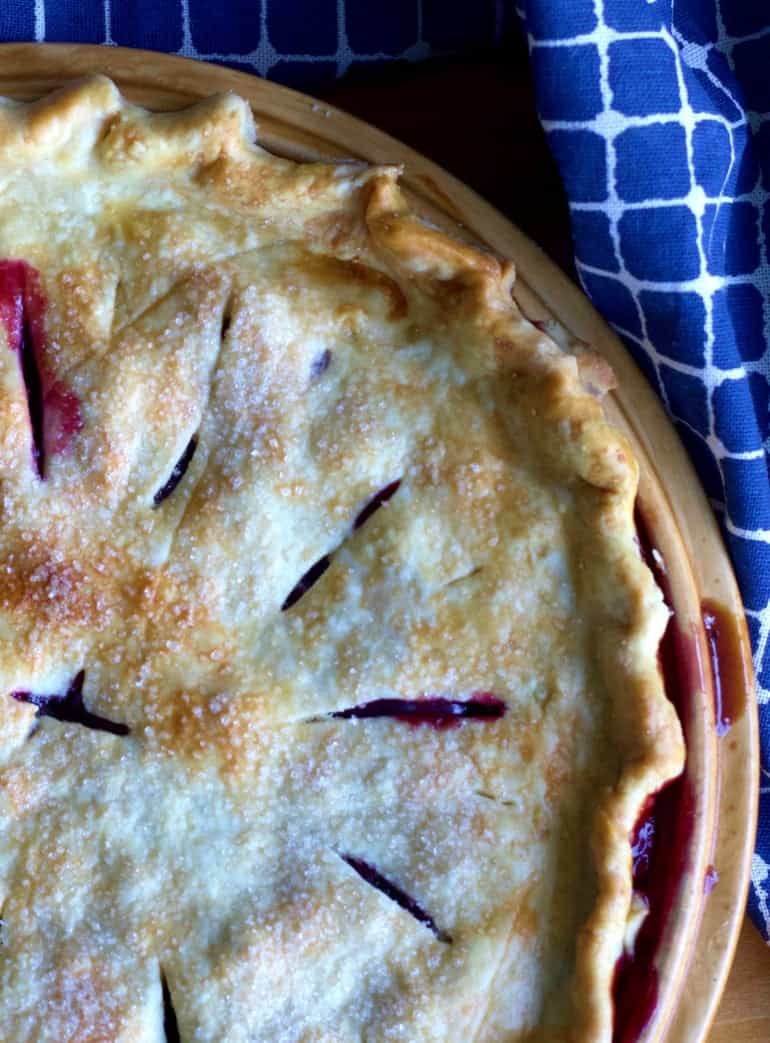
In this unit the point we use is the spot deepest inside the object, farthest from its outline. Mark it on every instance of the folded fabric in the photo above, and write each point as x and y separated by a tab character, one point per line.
659	118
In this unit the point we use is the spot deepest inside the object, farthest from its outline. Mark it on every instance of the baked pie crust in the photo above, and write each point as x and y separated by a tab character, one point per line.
328	657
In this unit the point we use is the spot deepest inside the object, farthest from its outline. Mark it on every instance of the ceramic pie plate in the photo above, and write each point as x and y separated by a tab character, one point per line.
709	656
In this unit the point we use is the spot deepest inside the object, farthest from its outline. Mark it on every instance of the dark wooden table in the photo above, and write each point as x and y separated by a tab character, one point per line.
476	117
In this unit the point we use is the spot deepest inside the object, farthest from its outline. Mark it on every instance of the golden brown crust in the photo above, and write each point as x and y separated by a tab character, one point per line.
320	343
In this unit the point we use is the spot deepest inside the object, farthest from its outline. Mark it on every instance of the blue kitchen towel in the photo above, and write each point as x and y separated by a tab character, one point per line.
658	114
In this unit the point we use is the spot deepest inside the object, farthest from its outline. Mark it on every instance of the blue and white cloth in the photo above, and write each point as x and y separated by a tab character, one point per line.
658	114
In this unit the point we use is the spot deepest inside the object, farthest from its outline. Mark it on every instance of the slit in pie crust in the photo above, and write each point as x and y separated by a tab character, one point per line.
342	548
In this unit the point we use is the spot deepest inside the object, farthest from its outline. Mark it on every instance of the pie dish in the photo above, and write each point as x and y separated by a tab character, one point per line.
329	657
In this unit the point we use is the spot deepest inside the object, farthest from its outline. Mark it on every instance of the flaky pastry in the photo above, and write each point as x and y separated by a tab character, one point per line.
328	660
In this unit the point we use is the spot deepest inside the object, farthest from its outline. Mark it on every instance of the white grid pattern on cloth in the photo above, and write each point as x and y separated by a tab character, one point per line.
265	56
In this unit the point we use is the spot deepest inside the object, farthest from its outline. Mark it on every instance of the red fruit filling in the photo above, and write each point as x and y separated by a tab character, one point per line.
54	410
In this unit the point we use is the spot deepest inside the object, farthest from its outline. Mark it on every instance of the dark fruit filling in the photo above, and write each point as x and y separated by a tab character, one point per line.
395	894
33	387
320	364
643	840
170	1026
304	584
53	409
70	708
315	572
177	474
660	846
376	502
436	712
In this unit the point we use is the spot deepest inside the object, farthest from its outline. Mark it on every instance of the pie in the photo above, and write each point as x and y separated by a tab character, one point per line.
328	658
